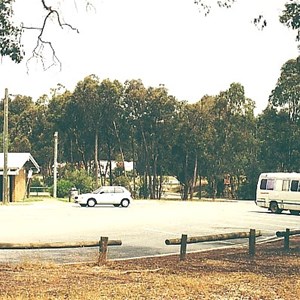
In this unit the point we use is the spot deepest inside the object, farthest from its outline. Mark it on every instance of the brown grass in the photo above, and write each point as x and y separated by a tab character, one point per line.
220	274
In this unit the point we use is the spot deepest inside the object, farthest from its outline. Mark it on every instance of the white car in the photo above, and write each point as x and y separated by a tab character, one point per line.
115	195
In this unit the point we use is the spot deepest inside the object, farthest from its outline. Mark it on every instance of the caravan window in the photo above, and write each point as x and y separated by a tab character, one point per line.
263	184
285	185
295	186
267	184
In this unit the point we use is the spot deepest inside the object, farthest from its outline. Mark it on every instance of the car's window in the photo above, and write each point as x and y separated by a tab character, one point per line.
108	189
118	190
97	191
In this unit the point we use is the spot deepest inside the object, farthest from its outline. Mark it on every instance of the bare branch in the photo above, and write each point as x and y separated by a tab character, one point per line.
42	44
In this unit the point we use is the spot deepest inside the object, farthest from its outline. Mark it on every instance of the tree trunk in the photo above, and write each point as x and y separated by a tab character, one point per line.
186	185
96	159
194	179
185	192
133	162
154	182
120	147
110	166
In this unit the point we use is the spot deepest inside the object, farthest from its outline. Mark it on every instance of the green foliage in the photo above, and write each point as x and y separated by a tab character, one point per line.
63	188
217	137
10	35
80	179
122	181
291	16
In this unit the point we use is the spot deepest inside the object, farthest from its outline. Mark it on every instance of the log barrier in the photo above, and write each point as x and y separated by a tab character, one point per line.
286	234
41	245
184	240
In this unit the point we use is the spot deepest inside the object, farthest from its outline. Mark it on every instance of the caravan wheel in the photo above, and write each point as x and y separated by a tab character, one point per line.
274	208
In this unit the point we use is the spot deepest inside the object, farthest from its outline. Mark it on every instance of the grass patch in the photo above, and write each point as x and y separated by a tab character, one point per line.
221	274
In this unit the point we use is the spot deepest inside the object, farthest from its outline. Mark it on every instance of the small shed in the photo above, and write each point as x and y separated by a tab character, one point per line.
20	167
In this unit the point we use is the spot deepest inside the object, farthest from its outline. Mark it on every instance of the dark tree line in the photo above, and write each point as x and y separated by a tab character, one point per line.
218	139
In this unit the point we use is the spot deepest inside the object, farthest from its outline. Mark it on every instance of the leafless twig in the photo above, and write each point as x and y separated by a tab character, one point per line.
42	43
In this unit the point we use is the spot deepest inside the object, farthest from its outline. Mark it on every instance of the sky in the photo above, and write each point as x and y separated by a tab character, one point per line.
158	41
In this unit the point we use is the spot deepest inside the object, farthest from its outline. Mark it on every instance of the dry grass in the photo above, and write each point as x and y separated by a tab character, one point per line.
220	274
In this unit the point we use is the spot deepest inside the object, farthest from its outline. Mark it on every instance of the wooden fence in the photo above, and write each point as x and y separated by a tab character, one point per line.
184	240
104	242
286	235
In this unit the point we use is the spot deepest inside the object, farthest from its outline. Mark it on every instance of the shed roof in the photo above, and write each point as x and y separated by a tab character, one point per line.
16	161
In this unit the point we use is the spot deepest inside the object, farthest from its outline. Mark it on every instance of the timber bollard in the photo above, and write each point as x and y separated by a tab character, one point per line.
183	247
252	237
103	248
287	240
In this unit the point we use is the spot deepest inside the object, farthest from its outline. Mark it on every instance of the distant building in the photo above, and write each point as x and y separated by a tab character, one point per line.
104	166
20	167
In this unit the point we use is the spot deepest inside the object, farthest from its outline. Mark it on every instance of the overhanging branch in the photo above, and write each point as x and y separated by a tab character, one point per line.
45	44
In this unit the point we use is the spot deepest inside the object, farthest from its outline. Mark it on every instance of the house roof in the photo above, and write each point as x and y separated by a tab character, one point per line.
16	161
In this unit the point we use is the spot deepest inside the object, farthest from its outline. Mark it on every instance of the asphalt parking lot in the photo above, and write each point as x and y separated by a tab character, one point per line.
143	227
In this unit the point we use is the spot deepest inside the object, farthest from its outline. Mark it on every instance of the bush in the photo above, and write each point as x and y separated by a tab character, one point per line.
123	181
63	188
80	179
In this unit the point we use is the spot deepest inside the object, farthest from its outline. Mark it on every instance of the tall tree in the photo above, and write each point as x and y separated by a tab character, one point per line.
84	114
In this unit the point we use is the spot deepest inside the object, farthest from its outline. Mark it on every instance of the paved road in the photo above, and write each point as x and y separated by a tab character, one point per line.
143	227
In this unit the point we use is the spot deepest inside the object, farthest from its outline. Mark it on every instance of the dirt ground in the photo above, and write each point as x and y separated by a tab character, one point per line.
220	274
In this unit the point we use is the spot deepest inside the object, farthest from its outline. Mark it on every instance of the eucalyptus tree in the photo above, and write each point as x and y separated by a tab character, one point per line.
42	139
134	102
157	130
287	90
60	120
110	126
231	146
150	114
285	99
31	130
84	114
273	133
20	122
188	146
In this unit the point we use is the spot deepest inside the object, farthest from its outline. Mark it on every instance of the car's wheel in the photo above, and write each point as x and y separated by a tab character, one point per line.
295	212
91	202
274	208
125	203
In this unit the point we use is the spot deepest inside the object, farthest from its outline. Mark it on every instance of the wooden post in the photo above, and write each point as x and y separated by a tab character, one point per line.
5	197
183	246
103	249
252	237
287	240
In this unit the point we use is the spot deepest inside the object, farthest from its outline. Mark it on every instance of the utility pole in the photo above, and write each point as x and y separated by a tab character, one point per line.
55	165
5	150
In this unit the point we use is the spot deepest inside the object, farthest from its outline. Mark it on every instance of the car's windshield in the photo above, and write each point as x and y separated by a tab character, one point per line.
97	191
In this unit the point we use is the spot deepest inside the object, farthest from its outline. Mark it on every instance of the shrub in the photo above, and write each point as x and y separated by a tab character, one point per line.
63	188
80	179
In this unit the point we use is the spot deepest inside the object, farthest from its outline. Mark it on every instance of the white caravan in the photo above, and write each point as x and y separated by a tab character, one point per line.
278	192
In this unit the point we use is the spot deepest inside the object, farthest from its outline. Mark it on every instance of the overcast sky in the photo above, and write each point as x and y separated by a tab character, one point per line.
160	42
